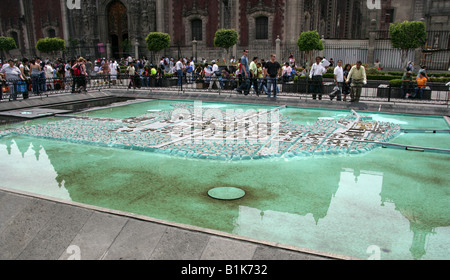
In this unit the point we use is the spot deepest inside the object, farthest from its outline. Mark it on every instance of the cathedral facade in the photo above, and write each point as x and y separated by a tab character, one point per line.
116	28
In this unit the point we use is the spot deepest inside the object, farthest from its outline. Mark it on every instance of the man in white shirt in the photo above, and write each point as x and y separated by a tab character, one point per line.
317	70
179	68
48	70
216	74
113	71
338	80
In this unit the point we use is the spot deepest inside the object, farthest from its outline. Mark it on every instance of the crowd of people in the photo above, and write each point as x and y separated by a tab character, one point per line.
37	76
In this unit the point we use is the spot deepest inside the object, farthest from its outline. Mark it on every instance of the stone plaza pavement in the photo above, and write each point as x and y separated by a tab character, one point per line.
37	228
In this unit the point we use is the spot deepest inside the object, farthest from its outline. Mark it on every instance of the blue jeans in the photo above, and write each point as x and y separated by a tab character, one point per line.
261	85
245	86
42	82
35	80
272	86
146	81
418	90
180	77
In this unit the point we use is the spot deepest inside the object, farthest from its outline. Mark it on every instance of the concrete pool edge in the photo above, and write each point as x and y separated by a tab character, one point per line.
366	106
195	229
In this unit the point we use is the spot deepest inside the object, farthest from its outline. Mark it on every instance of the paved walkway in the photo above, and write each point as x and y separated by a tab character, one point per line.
35	228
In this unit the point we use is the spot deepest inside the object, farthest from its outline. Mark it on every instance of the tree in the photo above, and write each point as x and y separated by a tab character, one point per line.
407	36
157	41
308	42
50	45
7	44
226	38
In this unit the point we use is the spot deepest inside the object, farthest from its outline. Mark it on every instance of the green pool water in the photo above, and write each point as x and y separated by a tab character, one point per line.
392	200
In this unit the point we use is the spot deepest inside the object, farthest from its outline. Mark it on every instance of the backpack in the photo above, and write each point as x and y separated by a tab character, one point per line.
77	70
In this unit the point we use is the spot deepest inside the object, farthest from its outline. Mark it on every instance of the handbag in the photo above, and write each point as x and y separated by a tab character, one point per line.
21	87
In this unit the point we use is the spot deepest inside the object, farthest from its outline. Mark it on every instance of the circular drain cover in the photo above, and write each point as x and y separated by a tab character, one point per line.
226	193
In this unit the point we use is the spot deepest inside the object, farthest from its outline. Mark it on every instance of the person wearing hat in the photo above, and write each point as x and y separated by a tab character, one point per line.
406	84
12	74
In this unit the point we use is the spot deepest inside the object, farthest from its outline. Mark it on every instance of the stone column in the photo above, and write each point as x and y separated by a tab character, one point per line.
418	54
160	16
372	38
278	47
108	50
136	49
194	50
322	52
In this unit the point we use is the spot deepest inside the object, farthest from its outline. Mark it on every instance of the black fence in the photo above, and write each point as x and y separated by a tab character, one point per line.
300	87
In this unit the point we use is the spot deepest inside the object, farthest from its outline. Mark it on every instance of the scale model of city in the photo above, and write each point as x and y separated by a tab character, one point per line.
220	134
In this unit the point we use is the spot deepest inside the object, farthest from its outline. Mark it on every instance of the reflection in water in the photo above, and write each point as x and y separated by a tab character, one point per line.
354	221
25	166
353	204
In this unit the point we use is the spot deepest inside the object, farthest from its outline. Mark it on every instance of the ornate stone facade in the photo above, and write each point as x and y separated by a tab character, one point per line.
120	26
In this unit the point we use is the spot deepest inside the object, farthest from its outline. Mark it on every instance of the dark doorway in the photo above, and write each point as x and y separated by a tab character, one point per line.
117	28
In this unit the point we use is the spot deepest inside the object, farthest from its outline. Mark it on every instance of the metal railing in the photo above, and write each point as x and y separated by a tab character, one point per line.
300	88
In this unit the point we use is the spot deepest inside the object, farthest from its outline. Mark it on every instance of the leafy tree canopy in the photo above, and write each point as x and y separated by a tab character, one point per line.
48	45
310	41
226	38
7	44
157	41
408	34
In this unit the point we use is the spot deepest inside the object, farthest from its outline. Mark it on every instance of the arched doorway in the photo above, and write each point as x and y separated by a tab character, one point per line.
118	28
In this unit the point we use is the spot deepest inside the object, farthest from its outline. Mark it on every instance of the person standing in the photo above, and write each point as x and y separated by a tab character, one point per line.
345	86
339	79
207	74
272	72
12	75
216	74
261	74
254	75
42	83
48	70
25	70
113	69
35	76
315	75
189	71
79	76
131	71
245	72
179	68
358	74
